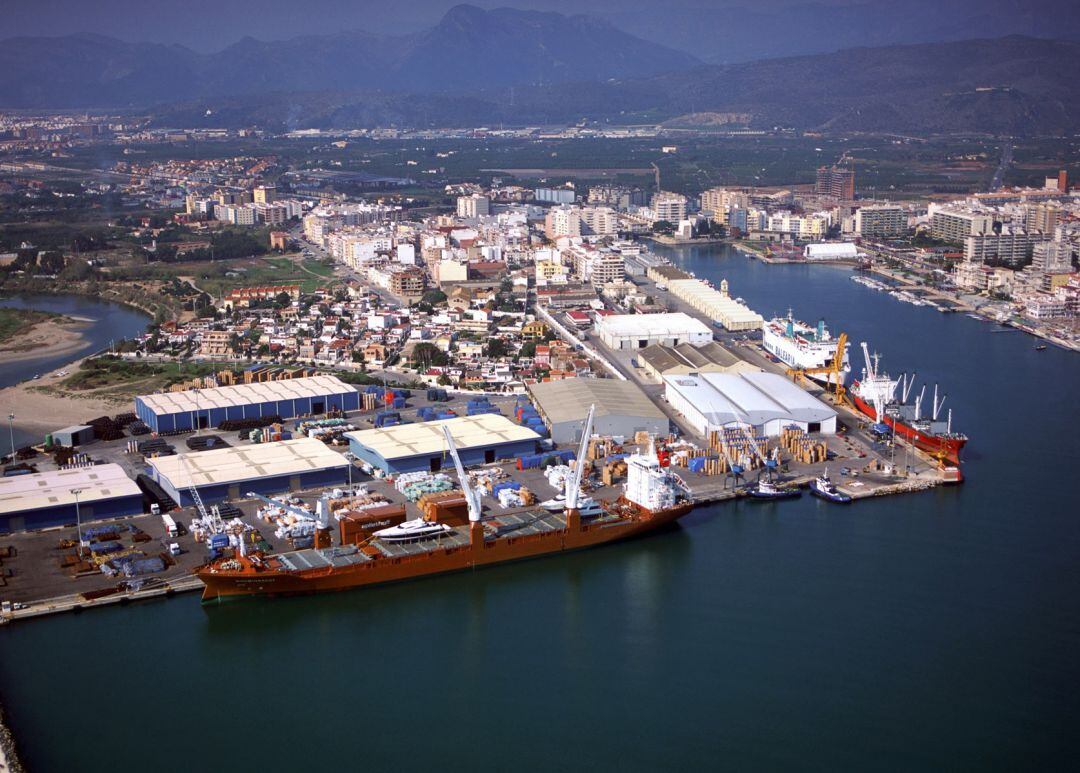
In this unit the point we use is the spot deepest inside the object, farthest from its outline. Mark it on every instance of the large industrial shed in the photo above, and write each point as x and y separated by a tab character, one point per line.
621	408
636	331
287	398
660	361
267	468
44	499
480	439
766	401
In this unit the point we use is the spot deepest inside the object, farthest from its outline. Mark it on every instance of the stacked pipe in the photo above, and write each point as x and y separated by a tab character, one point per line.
802	447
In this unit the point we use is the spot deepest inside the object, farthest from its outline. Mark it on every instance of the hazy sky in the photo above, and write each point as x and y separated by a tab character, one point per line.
208	25
776	27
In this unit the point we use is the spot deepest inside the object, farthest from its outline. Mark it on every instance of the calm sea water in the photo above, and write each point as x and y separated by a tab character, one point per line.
109	322
928	632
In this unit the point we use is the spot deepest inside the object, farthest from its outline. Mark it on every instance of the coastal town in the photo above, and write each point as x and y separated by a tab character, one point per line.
714	357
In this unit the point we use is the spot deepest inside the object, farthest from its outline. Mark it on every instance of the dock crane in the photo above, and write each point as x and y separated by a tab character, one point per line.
834	371
573	481
769	463
212	517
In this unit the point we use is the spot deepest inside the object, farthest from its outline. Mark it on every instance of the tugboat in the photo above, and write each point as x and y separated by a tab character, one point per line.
766	489
823	487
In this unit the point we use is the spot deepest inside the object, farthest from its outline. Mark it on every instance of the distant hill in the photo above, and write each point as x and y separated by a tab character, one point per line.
743	31
470	48
1012	85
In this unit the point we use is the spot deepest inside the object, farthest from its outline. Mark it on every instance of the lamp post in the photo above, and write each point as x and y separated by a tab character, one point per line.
11	434
351	458
78	519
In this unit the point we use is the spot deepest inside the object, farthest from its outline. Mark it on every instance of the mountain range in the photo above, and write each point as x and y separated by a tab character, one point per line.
477	68
468	47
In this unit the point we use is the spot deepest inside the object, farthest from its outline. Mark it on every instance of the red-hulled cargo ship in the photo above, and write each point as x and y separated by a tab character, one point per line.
875	396
654	496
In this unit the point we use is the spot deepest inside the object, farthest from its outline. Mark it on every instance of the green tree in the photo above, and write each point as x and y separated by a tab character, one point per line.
426	355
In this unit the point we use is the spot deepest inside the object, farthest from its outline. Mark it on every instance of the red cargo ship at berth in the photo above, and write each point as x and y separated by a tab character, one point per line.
653	497
924	426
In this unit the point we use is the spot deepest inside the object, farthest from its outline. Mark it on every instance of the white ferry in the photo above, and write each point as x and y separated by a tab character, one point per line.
799	345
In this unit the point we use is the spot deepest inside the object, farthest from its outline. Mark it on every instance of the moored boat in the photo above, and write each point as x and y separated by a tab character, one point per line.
875	396
765	489
823	487
653	497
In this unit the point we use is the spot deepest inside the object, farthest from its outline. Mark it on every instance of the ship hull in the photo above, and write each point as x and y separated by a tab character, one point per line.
946	448
221	584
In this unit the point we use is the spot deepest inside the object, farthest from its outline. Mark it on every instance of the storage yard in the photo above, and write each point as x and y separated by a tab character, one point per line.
721	416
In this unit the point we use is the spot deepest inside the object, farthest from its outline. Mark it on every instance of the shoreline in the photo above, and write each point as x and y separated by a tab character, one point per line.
104	293
9	760
49	338
63	409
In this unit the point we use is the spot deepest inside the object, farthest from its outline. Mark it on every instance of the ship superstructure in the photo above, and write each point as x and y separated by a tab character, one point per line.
798	345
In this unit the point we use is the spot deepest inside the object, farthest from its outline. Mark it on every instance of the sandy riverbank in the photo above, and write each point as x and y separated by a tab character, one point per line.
39	412
50	338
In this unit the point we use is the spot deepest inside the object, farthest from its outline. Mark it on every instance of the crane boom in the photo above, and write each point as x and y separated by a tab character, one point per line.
299	512
573	482
470	495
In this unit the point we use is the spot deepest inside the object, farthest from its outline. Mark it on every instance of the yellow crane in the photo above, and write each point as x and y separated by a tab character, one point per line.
835	369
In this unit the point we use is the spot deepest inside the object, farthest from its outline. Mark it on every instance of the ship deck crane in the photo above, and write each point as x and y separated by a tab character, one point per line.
321	516
834	371
471	499
573	482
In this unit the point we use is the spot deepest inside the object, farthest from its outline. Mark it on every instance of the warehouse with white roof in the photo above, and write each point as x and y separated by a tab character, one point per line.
43	499
636	331
266	468
766	401
718	305
480	439
204	408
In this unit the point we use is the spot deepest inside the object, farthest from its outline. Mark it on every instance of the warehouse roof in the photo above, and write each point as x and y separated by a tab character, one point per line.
244	394
652	324
569	399
52	489
687	358
425	438
832	250
231	465
754	398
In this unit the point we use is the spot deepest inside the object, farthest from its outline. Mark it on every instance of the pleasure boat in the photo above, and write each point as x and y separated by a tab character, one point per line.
415	529
587	506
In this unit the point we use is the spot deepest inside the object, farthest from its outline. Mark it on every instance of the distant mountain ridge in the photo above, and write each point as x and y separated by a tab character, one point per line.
1012	85
468	48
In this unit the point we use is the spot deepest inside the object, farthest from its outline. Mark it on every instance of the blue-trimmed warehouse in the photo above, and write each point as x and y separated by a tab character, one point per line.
45	499
205	408
266	468
479	439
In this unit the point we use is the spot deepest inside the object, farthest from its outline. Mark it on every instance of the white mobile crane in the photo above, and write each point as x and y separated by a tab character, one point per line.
211	518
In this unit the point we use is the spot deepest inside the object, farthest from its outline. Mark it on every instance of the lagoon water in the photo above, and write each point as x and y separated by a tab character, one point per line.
108	322
926	632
